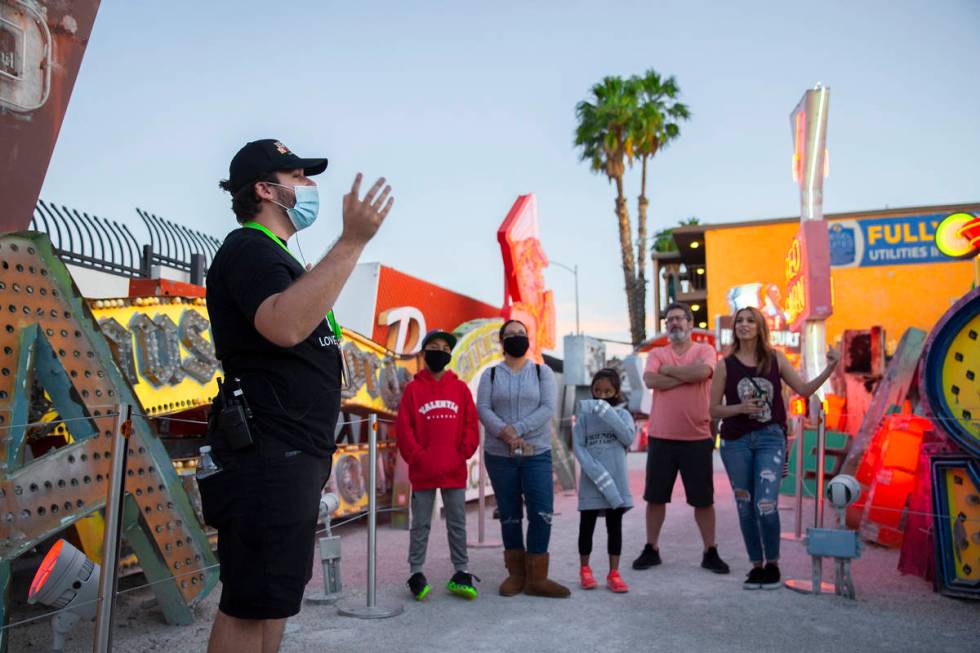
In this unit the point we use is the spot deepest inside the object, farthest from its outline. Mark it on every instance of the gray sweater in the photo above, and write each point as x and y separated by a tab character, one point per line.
600	438
519	400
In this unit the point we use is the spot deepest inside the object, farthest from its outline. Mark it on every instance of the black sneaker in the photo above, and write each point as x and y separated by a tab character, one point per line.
753	580
713	562
419	586
461	584
770	577
649	558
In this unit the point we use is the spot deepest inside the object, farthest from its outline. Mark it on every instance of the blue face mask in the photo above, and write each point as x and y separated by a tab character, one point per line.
307	206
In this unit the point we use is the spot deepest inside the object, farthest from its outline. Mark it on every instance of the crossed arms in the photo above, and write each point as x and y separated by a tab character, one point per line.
671	376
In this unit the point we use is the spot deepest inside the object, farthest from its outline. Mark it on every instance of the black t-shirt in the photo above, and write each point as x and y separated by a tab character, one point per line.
743	383
294	392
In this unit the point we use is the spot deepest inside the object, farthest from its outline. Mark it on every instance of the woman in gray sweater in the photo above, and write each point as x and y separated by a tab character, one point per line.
602	435
516	403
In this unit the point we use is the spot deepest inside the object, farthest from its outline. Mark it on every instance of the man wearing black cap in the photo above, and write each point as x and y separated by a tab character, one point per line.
273	421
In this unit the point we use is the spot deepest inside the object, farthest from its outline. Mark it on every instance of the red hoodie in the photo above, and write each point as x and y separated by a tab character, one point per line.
437	430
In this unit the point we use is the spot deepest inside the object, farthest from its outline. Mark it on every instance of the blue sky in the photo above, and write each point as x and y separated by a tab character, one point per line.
465	105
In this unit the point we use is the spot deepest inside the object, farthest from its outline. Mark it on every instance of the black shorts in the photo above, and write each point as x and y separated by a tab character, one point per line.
264	504
693	458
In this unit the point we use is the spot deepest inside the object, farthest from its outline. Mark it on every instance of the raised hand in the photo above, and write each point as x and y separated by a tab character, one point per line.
363	217
833	357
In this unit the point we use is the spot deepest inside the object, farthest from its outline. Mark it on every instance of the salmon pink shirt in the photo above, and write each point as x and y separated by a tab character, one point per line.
681	413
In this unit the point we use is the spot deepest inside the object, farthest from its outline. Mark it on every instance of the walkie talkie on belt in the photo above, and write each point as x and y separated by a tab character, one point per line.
234	416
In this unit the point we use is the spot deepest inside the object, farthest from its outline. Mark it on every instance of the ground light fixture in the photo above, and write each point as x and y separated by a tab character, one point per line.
329	554
69	582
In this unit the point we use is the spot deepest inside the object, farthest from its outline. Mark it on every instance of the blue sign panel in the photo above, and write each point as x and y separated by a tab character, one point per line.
885	241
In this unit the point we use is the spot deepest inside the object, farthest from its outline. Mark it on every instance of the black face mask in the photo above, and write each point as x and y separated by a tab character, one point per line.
612	401
516	346
436	359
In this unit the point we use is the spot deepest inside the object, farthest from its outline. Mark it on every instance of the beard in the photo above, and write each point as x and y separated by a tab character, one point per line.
678	335
286	198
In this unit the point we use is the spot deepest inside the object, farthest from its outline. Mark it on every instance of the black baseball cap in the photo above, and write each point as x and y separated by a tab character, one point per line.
268	155
436	333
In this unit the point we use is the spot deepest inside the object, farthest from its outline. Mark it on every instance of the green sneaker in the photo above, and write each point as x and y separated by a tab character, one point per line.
461	584
419	586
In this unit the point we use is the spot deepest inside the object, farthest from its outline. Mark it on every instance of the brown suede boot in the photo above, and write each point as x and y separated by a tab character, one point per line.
538	583
514	584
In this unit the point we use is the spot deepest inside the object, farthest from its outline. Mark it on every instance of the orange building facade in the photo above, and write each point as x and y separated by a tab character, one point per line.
885	269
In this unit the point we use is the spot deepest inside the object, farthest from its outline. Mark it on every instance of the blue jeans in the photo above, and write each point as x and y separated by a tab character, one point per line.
754	463
517	481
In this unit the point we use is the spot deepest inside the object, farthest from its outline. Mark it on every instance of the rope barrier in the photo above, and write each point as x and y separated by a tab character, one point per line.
810	495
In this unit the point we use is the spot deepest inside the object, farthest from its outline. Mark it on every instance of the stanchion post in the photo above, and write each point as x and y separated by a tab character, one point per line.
821	467
372	562
372	610
481	505
800	440
115	493
816	584
799	429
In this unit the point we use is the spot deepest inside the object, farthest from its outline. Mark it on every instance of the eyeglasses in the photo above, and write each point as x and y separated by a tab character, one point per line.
676	319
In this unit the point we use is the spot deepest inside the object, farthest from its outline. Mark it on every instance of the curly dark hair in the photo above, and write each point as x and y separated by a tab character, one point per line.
611	375
244	201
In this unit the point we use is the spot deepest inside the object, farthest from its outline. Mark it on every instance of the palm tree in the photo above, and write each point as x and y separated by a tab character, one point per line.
622	120
605	139
654	126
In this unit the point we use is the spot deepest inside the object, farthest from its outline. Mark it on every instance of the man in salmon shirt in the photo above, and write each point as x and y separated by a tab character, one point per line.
437	432
680	436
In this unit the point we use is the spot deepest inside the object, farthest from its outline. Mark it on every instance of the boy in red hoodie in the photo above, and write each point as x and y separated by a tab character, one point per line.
437	432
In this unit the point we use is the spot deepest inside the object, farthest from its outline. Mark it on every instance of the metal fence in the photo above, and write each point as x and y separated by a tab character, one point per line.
88	240
108	246
179	247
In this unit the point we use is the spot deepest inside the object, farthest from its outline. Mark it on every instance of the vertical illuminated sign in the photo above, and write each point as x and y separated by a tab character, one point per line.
808	298
807	271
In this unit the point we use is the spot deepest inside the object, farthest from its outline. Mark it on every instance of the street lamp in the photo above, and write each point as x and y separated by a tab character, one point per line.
573	270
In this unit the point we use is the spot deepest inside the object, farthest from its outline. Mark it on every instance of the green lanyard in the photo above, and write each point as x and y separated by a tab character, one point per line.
331	320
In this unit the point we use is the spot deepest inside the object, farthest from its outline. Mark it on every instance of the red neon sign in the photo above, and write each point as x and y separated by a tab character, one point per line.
525	296
808	290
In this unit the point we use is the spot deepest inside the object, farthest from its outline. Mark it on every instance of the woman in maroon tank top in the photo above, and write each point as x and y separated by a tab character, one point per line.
747	394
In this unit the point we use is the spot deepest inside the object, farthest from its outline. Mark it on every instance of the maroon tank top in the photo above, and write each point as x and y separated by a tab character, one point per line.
743	383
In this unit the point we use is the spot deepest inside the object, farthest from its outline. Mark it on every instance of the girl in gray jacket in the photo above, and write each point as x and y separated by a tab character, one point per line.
602	435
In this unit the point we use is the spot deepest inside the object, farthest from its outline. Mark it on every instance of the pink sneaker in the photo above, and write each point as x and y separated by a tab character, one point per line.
616	583
588	580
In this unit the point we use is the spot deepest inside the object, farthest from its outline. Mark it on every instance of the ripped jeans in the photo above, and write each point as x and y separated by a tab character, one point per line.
754	463
518	481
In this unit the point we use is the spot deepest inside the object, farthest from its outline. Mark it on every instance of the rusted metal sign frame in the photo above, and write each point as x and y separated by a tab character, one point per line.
28	133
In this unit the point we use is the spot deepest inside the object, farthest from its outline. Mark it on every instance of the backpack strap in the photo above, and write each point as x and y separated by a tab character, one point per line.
493	372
